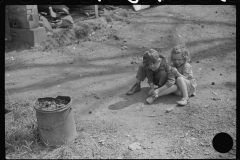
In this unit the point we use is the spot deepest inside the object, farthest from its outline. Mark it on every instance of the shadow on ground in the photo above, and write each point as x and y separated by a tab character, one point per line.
140	97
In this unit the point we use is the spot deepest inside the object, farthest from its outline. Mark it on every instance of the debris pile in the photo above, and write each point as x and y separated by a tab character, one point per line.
53	16
50	104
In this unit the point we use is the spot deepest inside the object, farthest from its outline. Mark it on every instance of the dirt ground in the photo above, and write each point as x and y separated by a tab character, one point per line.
96	71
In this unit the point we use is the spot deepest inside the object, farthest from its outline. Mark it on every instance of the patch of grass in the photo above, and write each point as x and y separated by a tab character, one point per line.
22	140
21	136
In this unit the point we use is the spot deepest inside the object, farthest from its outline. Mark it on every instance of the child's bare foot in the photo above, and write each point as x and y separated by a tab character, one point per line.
156	91
150	100
183	101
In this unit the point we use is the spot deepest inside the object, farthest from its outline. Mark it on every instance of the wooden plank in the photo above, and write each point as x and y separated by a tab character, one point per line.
96	11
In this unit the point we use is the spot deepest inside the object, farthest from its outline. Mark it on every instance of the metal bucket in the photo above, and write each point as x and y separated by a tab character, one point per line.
56	127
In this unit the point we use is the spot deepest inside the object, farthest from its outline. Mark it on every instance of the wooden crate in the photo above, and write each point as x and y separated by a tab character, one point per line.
30	36
22	9
23	21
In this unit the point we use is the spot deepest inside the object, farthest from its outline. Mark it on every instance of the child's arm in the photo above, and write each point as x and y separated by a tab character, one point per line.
170	76
170	80
159	90
150	78
163	78
151	85
187	71
150	81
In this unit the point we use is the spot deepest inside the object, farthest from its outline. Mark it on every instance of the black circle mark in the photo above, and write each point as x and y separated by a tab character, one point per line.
115	1
26	1
175	1
205	1
222	142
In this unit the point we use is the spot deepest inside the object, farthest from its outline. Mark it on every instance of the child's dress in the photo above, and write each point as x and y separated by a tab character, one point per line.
186	70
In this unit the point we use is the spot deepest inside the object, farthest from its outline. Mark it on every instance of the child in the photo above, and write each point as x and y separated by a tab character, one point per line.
156	69
185	82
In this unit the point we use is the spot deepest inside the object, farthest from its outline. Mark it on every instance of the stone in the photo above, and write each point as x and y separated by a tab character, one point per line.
134	146
124	47
169	109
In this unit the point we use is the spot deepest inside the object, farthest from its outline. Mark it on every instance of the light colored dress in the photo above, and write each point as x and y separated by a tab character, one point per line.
186	70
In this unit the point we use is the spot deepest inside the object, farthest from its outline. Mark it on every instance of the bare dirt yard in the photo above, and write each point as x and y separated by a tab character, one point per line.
95	63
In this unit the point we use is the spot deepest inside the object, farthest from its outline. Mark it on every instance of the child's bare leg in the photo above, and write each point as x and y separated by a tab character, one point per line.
182	86
161	89
164	90
169	90
141	75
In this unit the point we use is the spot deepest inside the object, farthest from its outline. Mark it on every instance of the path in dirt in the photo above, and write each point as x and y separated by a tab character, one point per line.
97	74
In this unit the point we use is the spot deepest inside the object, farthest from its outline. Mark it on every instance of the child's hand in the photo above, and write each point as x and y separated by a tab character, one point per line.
174	70
151	92
155	95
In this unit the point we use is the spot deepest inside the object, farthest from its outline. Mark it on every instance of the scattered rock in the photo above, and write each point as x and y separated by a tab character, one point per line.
197	62
116	38
213	83
159	123
109	26
216	99
169	109
213	69
95	96
134	146
101	142
206	153
124	47
146	147
132	62
90	112
220	74
215	93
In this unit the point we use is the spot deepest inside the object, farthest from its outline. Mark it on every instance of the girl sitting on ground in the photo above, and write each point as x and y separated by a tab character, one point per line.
185	85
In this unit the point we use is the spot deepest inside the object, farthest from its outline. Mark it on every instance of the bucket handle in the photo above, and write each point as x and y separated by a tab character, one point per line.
48	128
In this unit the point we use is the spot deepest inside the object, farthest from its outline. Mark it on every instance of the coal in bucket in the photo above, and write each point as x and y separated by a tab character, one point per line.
56	124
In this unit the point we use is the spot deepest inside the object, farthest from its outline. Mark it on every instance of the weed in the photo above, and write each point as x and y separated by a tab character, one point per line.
21	135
